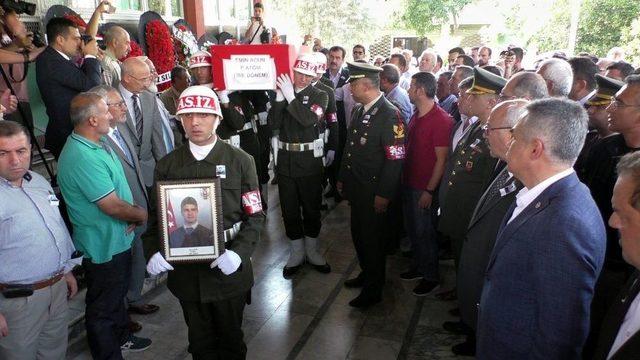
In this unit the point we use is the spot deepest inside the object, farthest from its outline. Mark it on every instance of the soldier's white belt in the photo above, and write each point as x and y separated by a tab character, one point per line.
295	146
232	232
262	121
247	126
317	146
233	140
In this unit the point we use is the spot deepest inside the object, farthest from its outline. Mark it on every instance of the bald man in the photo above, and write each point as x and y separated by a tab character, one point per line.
144	121
118	46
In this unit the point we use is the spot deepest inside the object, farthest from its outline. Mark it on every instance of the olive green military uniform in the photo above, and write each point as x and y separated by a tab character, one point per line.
371	167
299	171
212	302
326	81
472	168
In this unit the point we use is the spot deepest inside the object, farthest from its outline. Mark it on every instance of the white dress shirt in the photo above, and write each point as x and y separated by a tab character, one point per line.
126	96
461	130
629	327
527	196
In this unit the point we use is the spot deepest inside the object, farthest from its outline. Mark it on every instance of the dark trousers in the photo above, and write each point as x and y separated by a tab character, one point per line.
368	233
106	316
300	200
215	329
424	244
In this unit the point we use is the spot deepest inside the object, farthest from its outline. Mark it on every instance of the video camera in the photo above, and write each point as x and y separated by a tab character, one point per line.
19	6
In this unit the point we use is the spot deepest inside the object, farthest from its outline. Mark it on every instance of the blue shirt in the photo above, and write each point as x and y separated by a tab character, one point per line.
88	172
34	241
447	103
400	98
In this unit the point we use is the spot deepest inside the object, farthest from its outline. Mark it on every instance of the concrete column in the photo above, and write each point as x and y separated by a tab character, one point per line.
194	14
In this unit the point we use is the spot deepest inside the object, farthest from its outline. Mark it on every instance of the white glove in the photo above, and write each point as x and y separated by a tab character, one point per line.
286	86
331	155
228	262
262	116
279	96
224	96
157	264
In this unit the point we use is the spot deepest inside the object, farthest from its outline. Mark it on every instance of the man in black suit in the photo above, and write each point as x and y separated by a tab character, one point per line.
191	234
60	79
620	335
485	220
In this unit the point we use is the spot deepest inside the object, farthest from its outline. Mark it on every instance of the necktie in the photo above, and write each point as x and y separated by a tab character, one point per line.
466	124
188	230
137	113
123	145
492	193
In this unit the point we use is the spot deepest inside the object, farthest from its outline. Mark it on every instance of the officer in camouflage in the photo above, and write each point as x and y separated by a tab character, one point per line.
369	177
297	113
212	296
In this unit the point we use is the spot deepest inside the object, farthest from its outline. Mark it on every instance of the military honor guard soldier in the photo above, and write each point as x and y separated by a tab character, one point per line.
212	296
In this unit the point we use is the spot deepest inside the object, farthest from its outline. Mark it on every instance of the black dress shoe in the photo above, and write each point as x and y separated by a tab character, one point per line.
325	269
290	271
364	301
356	282
457	327
467	348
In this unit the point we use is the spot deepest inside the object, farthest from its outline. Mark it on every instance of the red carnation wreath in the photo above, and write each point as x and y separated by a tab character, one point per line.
160	50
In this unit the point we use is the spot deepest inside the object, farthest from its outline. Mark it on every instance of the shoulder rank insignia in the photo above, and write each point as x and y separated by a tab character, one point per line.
398	131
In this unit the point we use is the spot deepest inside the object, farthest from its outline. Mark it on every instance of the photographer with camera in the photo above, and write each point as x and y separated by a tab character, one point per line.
59	79
13	85
257	33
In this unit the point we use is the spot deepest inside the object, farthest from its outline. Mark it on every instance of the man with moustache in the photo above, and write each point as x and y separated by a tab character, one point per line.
600	176
619	335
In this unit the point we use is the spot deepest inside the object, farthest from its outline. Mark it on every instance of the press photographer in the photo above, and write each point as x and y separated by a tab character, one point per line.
257	32
25	46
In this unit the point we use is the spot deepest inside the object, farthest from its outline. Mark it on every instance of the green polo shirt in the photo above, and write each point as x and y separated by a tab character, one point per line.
87	172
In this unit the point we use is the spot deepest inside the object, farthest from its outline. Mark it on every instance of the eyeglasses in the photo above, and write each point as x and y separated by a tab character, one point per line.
615	103
118	104
487	129
503	97
144	79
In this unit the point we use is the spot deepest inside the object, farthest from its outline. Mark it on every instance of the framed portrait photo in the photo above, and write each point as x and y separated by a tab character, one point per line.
190	219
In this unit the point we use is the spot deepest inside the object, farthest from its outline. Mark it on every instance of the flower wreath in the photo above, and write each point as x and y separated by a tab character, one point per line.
76	20
184	44
160	51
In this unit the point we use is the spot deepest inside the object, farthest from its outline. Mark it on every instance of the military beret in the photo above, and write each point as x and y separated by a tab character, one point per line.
607	88
486	82
359	70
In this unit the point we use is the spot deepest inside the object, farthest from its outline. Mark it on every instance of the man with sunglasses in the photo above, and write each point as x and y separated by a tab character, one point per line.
144	123
600	176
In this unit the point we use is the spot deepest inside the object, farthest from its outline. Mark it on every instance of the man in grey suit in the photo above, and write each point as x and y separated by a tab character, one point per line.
123	148
143	126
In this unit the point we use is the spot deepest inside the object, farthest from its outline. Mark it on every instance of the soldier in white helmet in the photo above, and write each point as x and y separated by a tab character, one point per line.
212	296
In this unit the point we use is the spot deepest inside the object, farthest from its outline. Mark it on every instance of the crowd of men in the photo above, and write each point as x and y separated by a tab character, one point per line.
528	178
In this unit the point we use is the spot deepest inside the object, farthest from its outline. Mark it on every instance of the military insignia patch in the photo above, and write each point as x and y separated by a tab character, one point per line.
317	110
475	147
468	166
251	202
398	131
394	152
305	100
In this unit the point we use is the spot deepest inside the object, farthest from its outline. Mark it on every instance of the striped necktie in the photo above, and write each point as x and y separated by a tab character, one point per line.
137	113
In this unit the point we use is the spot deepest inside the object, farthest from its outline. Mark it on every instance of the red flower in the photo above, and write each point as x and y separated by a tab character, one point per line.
76	20
160	48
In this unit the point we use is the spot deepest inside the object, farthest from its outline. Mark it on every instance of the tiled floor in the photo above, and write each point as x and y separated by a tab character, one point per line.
308	317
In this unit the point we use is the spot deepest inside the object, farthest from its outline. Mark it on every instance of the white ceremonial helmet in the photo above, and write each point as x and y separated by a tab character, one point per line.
321	62
305	64
199	59
198	99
